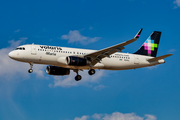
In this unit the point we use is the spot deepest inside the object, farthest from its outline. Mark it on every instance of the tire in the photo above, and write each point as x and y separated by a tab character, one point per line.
91	72
78	77
30	70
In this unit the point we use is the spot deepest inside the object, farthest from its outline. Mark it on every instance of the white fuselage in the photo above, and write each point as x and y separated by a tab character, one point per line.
51	55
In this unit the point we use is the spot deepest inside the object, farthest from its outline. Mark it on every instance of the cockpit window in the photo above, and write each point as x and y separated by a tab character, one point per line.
20	48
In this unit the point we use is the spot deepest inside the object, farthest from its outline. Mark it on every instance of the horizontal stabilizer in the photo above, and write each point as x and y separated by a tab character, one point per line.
159	58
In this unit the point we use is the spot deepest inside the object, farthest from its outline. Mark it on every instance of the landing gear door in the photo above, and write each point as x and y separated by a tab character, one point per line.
33	49
136	59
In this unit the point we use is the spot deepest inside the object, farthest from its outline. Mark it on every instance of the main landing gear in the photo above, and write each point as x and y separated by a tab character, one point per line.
78	77
30	70
91	72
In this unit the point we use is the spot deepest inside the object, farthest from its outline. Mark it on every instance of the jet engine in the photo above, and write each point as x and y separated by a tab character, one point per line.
54	70
76	61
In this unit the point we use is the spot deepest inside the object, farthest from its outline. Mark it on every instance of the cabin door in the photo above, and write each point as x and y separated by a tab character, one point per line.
33	49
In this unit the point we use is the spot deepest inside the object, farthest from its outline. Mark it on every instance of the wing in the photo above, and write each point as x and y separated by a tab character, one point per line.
98	55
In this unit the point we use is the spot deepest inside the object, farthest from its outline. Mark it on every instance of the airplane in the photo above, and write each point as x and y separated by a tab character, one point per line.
61	60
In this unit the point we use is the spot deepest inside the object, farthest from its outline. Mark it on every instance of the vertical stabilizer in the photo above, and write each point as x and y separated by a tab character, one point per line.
150	46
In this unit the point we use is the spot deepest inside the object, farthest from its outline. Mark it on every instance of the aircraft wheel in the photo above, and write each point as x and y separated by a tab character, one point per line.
30	70
78	77
91	71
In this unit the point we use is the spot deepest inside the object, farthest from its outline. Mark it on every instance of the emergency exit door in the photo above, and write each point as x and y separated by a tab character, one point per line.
136	59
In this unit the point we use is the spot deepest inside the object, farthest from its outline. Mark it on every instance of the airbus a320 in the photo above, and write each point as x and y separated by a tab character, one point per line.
61	60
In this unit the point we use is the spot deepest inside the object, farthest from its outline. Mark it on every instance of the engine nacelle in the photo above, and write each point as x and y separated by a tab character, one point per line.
54	70
62	60
76	61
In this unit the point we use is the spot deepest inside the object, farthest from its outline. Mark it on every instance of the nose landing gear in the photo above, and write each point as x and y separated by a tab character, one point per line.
30	70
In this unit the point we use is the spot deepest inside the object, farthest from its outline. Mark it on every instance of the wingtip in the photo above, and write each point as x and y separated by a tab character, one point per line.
170	54
138	34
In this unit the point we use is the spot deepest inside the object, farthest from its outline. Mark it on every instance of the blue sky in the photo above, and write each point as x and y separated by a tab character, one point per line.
142	94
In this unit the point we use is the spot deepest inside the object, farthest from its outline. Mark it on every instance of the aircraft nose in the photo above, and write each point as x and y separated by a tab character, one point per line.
11	54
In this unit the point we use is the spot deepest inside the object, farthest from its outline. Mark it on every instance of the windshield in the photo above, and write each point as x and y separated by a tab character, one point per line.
20	48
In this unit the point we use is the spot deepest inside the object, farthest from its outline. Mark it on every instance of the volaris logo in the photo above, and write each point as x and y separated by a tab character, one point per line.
149	45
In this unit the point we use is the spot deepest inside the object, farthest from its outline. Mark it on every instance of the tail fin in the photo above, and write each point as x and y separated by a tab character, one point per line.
150	46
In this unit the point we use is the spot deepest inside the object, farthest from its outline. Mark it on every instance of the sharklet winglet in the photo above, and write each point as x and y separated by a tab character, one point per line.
138	34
